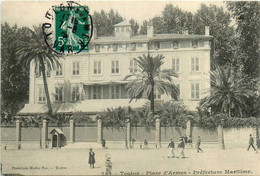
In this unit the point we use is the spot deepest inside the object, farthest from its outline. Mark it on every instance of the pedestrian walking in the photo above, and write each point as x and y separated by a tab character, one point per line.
91	159
251	142
198	145
145	144
171	146
181	147
108	165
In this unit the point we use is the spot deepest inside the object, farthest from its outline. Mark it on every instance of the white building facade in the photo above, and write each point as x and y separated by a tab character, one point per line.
91	82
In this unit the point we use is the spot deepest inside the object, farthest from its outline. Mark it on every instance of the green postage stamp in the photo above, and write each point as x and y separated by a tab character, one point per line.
70	34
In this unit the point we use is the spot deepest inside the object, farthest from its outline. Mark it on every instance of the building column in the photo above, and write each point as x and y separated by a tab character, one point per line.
72	131
188	128
157	132
18	134
221	135
44	133
99	131
128	133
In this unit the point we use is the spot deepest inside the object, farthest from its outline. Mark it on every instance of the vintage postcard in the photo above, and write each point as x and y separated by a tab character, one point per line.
130	88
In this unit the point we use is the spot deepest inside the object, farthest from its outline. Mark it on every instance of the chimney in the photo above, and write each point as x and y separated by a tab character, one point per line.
207	30
94	33
150	31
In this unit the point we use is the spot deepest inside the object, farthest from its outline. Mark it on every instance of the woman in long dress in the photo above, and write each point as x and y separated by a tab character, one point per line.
91	159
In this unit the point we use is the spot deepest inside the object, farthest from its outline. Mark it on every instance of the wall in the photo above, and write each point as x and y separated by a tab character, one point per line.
238	137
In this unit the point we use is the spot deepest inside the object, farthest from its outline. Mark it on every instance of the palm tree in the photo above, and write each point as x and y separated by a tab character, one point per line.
229	94
151	79
36	50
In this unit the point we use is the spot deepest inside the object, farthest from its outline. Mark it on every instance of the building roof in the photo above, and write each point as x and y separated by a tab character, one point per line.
123	23
144	38
87	106
57	130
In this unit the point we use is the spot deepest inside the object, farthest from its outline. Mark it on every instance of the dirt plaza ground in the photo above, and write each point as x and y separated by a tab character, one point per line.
131	162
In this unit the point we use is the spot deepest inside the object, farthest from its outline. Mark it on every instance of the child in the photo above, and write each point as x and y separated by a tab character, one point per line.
91	159
108	164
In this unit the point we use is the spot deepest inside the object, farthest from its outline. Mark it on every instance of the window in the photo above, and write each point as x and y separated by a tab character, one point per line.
75	68
115	91
195	44
97	48
157	94
115	66
41	94
115	47
38	72
178	87
120	46
156	45
140	45
175	44
97	67
195	64
96	92
176	64
117	29
48	71
133	66
59	70
133	46
122	29
195	88
75	95
59	93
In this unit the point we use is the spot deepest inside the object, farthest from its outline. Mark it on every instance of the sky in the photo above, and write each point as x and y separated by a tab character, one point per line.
30	13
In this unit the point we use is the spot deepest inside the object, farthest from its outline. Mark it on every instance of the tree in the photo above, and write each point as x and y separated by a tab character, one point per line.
14	77
247	16
175	20
143	28
135	26
151	79
104	22
173	113
116	118
219	22
229	94
37	51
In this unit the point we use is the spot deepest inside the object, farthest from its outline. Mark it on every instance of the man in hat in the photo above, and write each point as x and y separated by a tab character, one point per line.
198	145
171	146
108	164
181	147
251	142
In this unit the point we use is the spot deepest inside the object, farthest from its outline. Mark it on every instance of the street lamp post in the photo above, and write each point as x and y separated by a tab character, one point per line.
222	137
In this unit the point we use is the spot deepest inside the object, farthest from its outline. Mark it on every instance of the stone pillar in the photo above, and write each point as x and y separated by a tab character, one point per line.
99	131
221	135
158	132
188	128
18	134
128	133
44	134
72	131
